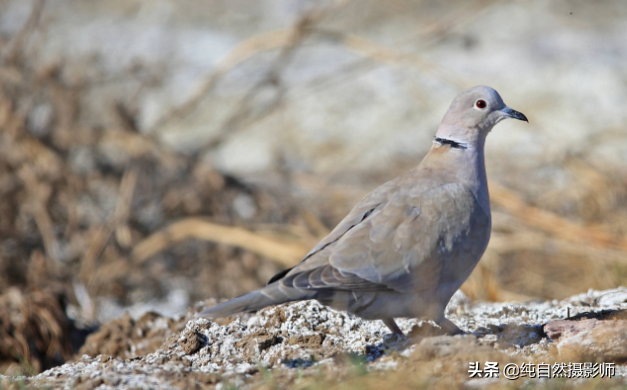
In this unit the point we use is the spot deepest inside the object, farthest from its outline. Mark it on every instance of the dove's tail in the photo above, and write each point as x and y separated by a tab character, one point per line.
256	300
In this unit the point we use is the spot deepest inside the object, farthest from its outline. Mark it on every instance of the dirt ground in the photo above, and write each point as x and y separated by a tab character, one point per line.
308	346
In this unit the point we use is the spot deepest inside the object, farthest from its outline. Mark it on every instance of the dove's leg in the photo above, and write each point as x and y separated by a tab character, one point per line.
449	327
389	322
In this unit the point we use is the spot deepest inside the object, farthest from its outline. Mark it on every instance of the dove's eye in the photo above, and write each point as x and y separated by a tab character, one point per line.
481	104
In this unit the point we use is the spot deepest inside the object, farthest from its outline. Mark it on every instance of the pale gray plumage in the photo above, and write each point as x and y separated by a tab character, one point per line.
407	246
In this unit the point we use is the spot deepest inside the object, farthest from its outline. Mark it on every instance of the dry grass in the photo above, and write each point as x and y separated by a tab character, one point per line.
428	368
33	329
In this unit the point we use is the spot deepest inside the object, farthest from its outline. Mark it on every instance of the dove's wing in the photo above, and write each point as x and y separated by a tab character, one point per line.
400	238
356	216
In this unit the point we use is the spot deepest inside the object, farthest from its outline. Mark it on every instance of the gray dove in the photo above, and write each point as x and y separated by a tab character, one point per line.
406	247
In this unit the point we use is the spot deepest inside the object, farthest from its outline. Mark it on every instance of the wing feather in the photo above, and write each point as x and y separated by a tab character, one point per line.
396	239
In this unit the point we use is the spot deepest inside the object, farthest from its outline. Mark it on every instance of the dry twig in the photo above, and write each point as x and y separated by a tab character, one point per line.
552	223
17	43
100	239
38	193
286	254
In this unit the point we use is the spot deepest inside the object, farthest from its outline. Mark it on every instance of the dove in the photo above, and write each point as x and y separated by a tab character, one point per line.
409	245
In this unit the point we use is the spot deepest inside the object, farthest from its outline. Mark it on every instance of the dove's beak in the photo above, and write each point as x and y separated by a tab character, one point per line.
514	114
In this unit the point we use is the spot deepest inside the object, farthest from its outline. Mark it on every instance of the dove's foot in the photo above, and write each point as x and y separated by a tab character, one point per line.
390	323
449	327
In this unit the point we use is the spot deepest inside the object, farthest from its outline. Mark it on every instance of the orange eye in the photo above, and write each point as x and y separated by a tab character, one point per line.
481	104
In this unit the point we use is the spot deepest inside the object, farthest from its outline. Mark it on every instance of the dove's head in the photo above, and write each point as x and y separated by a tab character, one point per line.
472	115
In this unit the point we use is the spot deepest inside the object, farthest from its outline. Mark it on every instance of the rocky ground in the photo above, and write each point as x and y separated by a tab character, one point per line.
305	345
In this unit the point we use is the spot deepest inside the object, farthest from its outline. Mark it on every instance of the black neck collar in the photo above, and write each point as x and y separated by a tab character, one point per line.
451	143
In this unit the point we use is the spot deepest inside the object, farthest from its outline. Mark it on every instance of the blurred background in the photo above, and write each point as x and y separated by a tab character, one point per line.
157	153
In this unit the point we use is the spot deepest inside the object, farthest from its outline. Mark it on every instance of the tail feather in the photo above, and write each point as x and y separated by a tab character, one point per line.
256	300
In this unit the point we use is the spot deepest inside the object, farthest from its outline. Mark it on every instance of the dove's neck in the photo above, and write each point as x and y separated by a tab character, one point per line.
464	157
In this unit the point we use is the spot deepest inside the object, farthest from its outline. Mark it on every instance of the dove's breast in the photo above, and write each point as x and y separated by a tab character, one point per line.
462	246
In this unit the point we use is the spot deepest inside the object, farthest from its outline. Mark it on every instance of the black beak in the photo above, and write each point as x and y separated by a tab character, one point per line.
514	114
